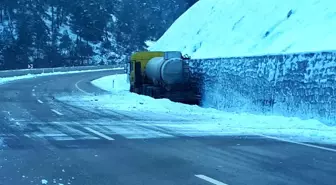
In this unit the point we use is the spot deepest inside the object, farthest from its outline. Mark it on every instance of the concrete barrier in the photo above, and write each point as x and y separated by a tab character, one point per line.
302	84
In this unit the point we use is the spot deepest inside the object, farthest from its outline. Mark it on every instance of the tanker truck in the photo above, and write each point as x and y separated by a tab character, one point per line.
162	75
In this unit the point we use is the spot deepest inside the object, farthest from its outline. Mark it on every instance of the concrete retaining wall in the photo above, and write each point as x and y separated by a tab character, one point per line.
302	84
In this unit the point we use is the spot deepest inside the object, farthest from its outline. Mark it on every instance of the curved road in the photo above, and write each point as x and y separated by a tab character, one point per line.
47	141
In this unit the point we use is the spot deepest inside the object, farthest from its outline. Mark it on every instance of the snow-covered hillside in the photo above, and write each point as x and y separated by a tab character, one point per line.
222	28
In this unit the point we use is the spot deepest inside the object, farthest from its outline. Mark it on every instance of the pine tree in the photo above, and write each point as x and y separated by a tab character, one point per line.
51	33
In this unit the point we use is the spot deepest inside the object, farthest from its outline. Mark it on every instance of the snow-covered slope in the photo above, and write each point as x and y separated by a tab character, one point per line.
221	28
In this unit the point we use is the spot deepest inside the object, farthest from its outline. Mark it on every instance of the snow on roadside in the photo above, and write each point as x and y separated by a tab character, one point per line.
28	76
121	99
115	83
203	121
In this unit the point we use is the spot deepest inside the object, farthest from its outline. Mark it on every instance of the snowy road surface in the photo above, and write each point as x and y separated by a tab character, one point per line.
48	141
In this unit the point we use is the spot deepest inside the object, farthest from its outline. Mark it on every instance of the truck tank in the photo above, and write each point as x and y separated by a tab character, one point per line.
169	71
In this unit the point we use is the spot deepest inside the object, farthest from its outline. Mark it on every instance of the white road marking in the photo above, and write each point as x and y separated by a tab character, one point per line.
33	94
40	101
298	143
54	136
6	135
136	132
33	90
80	135
51	135
69	138
55	111
211	180
81	90
99	134
17	120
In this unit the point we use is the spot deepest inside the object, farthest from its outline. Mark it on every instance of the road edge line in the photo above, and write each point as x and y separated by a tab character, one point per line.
298	143
81	90
209	179
55	111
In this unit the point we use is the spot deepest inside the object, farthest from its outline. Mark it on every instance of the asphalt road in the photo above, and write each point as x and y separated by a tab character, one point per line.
43	140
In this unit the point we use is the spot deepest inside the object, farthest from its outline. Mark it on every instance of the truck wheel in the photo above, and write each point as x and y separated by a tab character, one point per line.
150	91
144	89
132	88
156	92
137	90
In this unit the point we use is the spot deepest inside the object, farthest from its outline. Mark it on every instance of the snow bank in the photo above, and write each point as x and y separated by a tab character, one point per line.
149	43
199	121
10	79
121	99
222	28
115	83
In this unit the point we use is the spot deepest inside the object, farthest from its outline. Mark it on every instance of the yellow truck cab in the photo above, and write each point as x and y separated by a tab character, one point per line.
140	59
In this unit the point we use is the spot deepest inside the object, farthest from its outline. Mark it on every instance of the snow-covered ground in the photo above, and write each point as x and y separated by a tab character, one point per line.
10	79
197	121
222	28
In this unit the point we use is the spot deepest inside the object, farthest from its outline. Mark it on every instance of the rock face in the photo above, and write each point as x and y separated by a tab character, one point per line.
302	84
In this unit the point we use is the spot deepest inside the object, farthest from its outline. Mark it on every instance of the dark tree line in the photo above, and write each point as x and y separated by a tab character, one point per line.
52	33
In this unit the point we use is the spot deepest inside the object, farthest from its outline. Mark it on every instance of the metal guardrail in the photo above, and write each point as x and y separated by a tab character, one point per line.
11	73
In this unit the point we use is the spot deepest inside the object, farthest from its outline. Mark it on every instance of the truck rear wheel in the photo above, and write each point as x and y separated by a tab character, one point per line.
132	88
156	92
144	89
151	91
